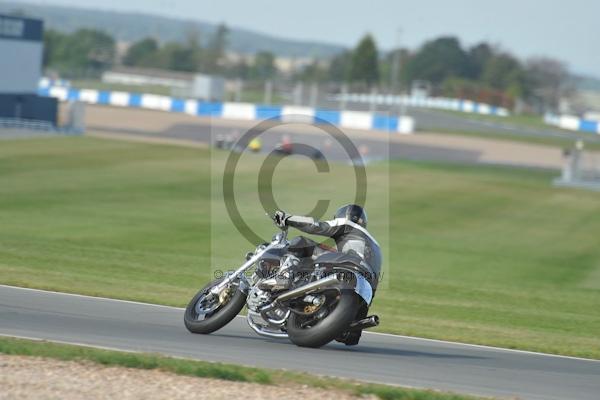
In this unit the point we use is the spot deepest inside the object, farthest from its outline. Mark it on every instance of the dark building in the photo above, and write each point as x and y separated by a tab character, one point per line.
21	51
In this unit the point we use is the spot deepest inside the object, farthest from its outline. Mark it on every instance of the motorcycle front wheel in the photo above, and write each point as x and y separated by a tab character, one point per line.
325	325
206	313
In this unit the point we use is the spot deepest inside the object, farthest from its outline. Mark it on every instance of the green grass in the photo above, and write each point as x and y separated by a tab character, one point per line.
205	369
250	95
529	120
485	255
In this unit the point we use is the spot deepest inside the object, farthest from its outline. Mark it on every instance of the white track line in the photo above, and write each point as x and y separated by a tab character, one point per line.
143	352
92	297
484	347
477	346
95	346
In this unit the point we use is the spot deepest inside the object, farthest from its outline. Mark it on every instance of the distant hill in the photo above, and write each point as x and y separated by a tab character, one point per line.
589	83
134	26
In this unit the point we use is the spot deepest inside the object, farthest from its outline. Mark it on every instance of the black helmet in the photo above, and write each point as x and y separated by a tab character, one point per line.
354	213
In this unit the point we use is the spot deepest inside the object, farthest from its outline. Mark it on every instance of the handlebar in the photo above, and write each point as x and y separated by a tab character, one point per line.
284	229
272	218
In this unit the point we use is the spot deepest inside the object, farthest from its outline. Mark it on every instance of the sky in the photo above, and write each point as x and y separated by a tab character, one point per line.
567	30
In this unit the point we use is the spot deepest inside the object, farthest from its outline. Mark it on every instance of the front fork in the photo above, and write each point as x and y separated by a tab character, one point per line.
239	273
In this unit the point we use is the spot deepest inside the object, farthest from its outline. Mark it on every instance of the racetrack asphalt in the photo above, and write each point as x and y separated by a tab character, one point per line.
382	358
182	129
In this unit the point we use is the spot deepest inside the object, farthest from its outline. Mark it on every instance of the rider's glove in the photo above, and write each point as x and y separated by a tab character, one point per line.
280	218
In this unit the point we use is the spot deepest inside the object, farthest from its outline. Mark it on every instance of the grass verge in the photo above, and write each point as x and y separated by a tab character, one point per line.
525	120
230	372
476	254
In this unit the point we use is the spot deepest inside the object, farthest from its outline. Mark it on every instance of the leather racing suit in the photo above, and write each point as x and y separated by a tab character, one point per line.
350	238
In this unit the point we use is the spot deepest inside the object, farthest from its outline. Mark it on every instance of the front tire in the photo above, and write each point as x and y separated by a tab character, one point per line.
203	315
327	329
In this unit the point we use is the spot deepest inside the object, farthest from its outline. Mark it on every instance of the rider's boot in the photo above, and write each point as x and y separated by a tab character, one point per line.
350	338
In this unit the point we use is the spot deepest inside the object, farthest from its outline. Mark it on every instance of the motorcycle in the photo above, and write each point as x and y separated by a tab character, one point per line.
290	292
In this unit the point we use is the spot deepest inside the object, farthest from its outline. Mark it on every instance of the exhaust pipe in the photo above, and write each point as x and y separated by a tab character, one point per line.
329	281
364	323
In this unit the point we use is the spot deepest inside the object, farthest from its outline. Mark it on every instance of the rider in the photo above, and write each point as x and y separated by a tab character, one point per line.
348	229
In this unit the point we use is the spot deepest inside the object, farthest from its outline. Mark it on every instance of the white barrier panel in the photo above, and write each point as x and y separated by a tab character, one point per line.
59	92
484	109
468	106
573	123
297	114
155	102
119	99
406	125
356	120
191	107
568	122
44	82
244	111
88	96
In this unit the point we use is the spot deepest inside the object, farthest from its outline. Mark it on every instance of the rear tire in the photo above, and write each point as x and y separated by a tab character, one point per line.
327	329
218	318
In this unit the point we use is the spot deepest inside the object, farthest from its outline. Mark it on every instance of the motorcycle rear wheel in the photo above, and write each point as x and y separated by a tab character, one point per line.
327	329
205	314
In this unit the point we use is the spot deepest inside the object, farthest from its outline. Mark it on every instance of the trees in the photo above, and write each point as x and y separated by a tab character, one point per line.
92	48
478	56
84	52
142	53
437	60
264	66
313	72
339	67
54	43
504	72
364	63
481	72
178	57
175	56
549	82
189	56
213	54
240	69
391	67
